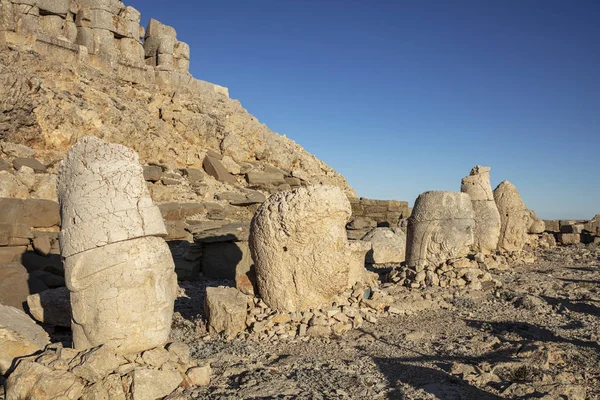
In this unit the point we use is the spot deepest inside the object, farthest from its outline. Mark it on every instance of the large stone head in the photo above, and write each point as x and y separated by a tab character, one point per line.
122	295
300	248
439	228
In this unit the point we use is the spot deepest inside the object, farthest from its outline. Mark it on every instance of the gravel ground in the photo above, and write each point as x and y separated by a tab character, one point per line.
536	337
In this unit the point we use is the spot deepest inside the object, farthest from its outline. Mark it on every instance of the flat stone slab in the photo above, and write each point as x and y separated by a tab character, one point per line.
236	232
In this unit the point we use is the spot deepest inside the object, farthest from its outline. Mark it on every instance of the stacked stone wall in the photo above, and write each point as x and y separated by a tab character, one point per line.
103	34
574	231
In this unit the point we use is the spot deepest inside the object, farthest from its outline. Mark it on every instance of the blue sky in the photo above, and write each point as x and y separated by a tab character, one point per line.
402	97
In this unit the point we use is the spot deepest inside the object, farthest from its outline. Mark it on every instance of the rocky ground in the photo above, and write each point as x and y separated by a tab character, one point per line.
537	336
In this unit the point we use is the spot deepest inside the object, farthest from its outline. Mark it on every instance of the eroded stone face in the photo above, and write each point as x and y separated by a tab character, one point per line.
440	228
487	218
103	197
300	249
514	216
121	277
122	294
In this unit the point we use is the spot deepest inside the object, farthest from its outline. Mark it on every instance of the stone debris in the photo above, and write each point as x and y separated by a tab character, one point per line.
225	310
100	373
486	215
514	216
388	246
120	276
300	248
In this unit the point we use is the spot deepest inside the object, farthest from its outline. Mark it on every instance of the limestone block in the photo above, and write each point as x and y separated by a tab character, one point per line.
85	37
51	306
132	51
536	225
514	216
226	309
130	14
552	225
215	168
92	173
152	173
57	7
593	225
19	336
7	16
477	184
569	238
226	260
104	41
52	25
11	186
31	380
70	31
159	45
112	6
122	294
182	65
182	50
27	18
156	28
32	163
264	178
165	61
440	228
356	255
16	284
487	217
388	246
572	228
154	384
300	249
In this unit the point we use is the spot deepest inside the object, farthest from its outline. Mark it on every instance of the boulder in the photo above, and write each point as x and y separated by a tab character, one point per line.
440	228
300	248
32	163
265	178
514	216
152	173
16	284
31	380
388	246
217	170
52	307
536	225
226	309
150	384
19	336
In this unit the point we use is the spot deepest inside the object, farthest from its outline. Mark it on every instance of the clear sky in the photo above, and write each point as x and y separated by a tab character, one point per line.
402	97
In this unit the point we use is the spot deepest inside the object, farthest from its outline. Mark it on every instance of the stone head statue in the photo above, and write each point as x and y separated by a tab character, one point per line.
440	228
300	248
120	274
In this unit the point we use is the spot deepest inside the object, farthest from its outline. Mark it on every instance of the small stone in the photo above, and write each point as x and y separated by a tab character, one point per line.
198	376
319	331
32	163
150	384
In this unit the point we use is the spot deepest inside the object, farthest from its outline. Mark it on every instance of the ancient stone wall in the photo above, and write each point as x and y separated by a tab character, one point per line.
383	212
574	231
104	34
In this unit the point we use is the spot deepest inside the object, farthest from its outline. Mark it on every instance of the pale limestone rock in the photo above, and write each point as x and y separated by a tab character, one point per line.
92	173
226	309
300	248
388	246
439	228
536	225
11	186
122	294
514	216
150	384
487	218
198	376
19	336
31	380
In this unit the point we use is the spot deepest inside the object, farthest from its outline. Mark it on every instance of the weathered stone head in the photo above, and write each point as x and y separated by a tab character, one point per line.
120	275
300	248
514	216
487	218
440	228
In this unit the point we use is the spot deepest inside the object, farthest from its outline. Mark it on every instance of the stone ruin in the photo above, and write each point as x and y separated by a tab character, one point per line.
122	284
117	267
103	34
514	216
487	218
302	256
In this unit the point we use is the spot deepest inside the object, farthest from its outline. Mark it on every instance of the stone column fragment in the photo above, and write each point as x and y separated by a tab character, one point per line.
440	228
514	216
119	273
487	218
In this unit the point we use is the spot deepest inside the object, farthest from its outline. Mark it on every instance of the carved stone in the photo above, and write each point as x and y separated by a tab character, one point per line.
440	228
514	216
487	217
